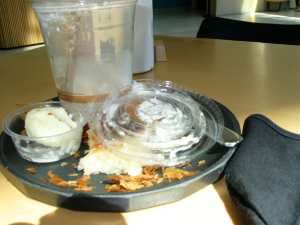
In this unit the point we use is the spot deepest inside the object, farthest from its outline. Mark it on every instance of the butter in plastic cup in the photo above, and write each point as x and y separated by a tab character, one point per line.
48	148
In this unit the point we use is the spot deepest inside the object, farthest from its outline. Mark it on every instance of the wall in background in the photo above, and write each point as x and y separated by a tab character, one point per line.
161	4
18	24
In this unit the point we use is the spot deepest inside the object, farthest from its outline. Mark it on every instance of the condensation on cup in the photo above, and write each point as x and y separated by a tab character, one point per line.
89	45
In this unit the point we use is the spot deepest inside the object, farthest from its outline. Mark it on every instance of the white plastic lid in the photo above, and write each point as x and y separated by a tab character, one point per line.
154	122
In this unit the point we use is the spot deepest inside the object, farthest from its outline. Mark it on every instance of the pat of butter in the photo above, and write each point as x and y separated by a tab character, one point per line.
47	122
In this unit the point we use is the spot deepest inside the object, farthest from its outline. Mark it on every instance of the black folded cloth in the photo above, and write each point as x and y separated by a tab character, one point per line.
263	176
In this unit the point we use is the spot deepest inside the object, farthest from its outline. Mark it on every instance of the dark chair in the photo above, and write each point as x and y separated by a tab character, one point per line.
220	28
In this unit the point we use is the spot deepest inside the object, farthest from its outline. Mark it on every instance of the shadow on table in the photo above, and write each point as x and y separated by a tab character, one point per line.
64	216
235	215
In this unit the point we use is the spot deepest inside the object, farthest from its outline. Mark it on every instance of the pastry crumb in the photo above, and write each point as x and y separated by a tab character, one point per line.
64	164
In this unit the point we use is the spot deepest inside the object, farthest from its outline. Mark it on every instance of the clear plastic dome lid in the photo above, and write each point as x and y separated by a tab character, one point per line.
154	122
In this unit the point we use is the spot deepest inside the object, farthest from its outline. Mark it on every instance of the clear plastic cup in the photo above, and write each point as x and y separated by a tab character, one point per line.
89	45
48	148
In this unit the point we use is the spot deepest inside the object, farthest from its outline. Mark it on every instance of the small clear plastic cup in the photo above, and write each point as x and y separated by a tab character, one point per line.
48	148
155	122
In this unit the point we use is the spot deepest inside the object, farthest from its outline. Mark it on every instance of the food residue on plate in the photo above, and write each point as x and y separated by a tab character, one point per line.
184	164
101	160
81	184
173	173
64	164
121	183
125	183
76	155
73	174
30	169
201	162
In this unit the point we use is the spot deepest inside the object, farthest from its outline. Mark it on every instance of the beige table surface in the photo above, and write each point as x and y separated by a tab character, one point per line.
246	77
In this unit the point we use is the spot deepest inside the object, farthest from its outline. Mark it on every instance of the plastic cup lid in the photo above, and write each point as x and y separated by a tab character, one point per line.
155	122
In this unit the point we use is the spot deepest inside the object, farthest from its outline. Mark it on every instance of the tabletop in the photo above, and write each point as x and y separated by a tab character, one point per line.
247	78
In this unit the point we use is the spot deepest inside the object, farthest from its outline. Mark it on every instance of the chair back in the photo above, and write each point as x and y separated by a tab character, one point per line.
227	29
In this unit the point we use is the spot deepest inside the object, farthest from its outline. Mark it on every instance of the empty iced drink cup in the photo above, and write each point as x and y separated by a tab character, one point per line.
89	45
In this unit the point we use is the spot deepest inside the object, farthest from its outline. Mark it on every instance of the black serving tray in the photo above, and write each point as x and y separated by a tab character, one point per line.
14	168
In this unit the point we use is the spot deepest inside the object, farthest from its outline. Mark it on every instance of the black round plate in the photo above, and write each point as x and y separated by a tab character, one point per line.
14	168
